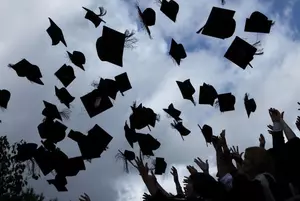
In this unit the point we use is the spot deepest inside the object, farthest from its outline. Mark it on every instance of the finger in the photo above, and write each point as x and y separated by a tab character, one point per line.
206	161
81	199
241	154
237	148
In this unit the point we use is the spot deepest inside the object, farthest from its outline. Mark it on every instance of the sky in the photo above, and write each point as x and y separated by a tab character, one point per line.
272	82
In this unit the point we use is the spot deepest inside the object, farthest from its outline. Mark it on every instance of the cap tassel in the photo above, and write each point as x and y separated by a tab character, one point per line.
129	39
223	2
102	12
65	114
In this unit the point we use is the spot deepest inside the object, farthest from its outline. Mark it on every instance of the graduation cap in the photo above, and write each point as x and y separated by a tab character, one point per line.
55	33
108	87
142	116
187	90
207	133
177	51
180	128
64	96
4	98
110	46
59	182
207	94
26	151
50	111
148	144
43	159
160	166
258	23
72	166
95	104
123	83
130	135
240	52
220	23
126	156
65	74
173	112
20	67
77	58
226	102
170	9
52	131
93	17
148	18
250	104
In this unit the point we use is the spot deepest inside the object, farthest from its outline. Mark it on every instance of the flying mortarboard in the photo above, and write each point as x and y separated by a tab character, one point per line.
187	90
4	98
93	17
173	112
250	104
65	74
148	18
44	160
100	136
180	128
160	166
50	111
126	156
258	23
95	104
77	58
207	94
26	151
108	88
20	67
207	133
55	33
220	23
148	144
110	46
177	51
130	135
72	166
240	52
52	131
64	96
59	182
170	9
226	102
123	83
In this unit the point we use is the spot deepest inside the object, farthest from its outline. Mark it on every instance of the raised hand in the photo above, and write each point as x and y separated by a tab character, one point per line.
262	141
298	123
84	197
191	169
235	154
275	115
185	180
204	166
146	197
174	173
270	127
143	169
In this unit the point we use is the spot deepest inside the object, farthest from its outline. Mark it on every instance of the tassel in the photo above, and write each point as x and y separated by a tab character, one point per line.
65	114
129	39
102	12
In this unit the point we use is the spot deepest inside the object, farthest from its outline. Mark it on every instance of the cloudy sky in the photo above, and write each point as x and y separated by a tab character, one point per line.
273	82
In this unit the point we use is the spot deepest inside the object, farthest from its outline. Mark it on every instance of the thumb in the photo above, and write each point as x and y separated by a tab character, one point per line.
282	114
206	161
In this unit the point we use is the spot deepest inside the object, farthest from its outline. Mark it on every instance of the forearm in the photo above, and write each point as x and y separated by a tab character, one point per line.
151	185
289	133
178	188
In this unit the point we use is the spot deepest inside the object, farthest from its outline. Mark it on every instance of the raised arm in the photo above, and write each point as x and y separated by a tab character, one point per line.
176	180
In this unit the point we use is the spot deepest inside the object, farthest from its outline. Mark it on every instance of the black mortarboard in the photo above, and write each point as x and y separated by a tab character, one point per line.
93	17
180	128
123	83
52	131
26	151
148	144
220	23
130	135
20	67
160	166
250	104
64	96
94	103
59	182
240	52
148	18
173	112
226	102
72	166
4	98
142	117
177	51
187	90
77	58
43	159
108	87
126	156
110	46
55	33
207	94
170	9
258	23
50	111
207	133
65	74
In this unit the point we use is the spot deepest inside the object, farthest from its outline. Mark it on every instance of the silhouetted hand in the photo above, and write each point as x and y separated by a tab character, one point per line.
270	127
298	123
262	141
203	165
84	197
275	115
174	173
235	154
146	197
191	169
143	169
185	180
